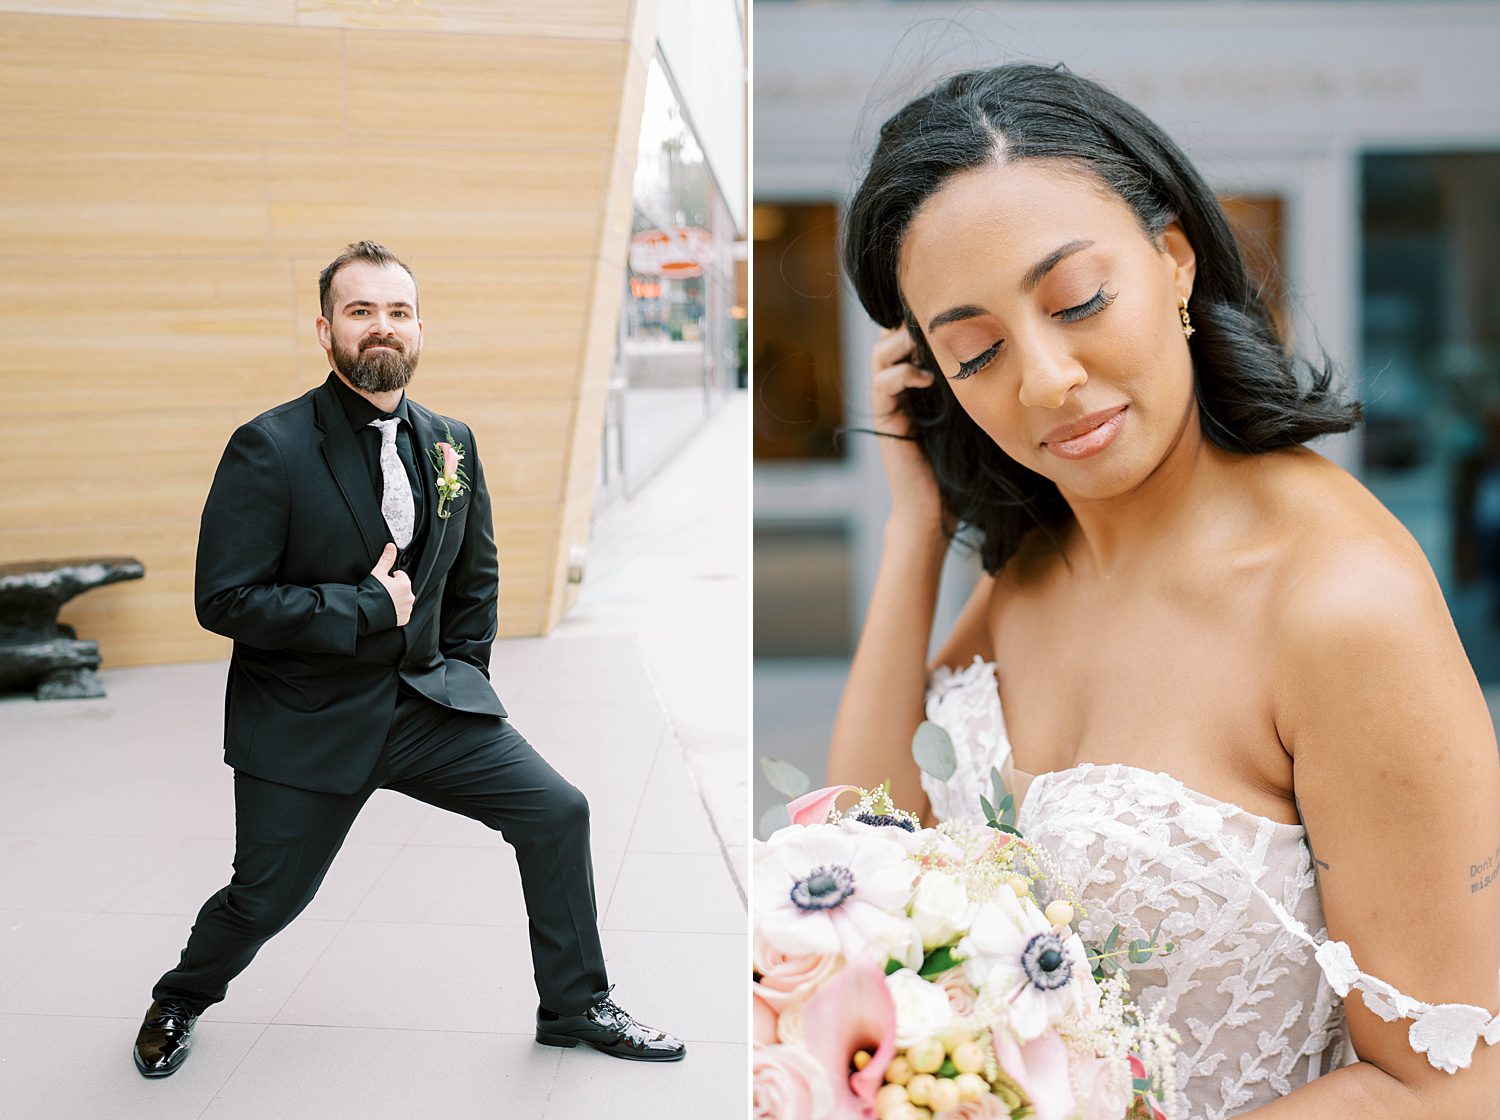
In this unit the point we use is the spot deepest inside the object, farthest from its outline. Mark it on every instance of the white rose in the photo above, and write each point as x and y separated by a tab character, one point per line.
940	908
922	1009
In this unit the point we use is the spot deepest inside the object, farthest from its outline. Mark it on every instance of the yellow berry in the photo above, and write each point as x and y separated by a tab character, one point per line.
953	1039
1020	886
968	1058
919	1086
971	1087
1060	912
898	1072
1007	1093
943	1095
926	1056
861	1059
888	1097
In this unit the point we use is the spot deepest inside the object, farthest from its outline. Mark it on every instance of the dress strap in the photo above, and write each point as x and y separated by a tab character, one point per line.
1446	1032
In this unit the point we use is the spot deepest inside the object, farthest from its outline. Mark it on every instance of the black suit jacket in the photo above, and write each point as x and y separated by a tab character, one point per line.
290	532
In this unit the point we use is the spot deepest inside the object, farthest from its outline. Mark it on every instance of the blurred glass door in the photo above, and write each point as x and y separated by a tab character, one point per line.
1430	335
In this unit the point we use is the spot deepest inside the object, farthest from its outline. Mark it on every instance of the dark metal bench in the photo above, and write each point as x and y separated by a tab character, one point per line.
38	652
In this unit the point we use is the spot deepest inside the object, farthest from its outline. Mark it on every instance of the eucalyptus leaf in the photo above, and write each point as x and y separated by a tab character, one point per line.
785	778
989	810
776	817
1140	952
1008	811
1114	936
998	782
933	750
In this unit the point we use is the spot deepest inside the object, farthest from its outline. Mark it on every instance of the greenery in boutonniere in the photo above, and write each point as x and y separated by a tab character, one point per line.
445	456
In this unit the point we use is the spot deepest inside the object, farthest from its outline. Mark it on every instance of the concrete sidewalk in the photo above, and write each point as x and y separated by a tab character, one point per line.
405	989
671	568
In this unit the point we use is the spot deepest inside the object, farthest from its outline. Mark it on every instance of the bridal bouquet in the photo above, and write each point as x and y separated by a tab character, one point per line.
904	973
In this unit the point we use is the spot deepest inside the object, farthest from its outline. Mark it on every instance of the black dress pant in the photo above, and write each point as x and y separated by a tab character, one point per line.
477	765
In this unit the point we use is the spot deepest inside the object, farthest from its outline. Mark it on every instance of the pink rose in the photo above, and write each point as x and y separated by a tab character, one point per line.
450	459
786	979
961	994
986	1107
789	1084
1105	1089
765	1020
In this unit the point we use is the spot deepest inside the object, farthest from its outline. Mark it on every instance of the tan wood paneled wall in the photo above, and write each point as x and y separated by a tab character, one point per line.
174	175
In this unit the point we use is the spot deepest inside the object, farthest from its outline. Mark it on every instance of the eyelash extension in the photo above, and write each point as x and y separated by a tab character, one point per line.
1101	299
975	364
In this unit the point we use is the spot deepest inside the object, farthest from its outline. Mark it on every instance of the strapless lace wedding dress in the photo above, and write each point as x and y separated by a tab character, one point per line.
1254	987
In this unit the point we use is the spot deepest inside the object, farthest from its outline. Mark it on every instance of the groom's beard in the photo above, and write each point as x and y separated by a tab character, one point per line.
377	371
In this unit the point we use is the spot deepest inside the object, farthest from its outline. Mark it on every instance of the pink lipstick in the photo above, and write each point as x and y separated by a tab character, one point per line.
1087	436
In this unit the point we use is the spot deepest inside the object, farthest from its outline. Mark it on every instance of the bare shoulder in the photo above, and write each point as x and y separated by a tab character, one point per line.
1345	565
1356	609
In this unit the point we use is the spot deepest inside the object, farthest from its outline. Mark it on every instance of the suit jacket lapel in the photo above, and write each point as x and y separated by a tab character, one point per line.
350	471
426	436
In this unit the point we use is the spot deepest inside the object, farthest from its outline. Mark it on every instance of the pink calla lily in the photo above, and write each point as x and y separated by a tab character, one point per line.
1040	1070
450	459
852	1012
813	808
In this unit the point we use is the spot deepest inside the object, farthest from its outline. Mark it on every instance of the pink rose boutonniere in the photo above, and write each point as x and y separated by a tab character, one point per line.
445	456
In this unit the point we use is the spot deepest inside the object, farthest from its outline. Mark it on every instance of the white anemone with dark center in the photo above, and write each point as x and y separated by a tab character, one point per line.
823	888
1045	962
1039	971
820	890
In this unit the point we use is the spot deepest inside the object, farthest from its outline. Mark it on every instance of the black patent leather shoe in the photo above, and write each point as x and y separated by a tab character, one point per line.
609	1028
165	1038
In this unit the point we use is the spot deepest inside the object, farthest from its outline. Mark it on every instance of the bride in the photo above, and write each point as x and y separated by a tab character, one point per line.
1229	667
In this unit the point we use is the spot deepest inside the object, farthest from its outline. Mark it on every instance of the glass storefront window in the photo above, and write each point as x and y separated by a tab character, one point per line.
678	347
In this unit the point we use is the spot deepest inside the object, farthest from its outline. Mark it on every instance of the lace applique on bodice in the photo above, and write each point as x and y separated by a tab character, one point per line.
1254	986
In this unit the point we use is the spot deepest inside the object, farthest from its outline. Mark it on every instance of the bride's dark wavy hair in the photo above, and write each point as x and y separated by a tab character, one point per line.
1250	392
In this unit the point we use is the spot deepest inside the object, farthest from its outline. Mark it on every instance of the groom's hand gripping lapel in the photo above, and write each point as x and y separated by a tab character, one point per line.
396	584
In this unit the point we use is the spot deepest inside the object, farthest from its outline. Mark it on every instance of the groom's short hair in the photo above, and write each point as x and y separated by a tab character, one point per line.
371	251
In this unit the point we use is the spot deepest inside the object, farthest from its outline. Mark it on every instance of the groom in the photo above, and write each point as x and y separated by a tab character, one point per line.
361	600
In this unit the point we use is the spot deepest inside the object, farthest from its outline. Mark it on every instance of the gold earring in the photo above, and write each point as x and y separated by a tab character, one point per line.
1187	324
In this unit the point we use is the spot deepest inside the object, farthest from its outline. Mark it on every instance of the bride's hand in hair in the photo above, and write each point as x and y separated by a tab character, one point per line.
914	491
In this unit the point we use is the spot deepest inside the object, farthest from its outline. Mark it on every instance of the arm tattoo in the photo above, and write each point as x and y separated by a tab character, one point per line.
1482	874
1307	836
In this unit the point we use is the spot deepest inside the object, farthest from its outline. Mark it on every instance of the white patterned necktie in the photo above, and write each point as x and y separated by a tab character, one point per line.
396	501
